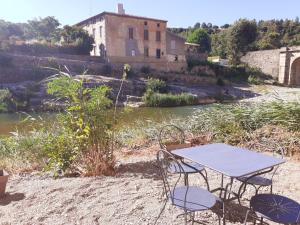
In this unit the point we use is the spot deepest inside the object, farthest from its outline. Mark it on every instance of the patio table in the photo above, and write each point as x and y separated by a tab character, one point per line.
230	161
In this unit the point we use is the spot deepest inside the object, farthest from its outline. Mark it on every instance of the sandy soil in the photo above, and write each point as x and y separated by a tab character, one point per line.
133	197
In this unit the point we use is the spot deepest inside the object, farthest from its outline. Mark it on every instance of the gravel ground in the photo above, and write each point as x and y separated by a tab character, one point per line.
133	197
270	93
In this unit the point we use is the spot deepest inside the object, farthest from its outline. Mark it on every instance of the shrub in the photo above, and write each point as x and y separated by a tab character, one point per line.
86	125
145	69
156	85
5	100
107	69
170	100
254	80
23	152
86	142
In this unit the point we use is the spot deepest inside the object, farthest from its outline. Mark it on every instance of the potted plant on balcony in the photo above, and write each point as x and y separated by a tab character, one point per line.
3	181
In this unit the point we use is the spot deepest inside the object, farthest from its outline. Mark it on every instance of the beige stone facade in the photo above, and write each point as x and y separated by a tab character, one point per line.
122	38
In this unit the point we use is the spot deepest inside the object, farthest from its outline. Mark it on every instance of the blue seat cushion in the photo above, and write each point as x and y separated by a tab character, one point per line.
192	198
276	208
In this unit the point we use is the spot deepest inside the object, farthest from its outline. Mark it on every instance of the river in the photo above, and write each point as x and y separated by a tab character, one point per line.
12	122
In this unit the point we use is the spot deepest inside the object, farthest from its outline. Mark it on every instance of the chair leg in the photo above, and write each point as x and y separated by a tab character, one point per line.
205	178
193	218
246	218
185	217
161	211
186	179
224	212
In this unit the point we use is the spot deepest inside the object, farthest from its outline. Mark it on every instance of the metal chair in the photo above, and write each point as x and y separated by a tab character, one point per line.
275	208
173	134
191	199
266	180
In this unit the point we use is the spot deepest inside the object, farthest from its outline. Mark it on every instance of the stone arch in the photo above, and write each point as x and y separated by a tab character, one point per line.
295	72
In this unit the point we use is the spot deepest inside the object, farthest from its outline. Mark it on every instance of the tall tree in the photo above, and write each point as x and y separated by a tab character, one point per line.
240	36
197	26
77	36
201	37
42	28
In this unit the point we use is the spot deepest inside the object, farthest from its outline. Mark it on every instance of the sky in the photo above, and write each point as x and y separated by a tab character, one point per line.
179	13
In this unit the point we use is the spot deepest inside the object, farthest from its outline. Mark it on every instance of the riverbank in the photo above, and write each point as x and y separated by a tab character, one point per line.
131	197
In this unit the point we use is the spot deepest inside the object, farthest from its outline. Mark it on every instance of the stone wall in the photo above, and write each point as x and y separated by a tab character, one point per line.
33	68
266	60
192	53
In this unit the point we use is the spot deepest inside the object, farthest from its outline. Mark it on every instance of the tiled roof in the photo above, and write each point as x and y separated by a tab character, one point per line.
120	15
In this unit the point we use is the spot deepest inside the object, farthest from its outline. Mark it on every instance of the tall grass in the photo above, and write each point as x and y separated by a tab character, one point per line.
238	124
170	100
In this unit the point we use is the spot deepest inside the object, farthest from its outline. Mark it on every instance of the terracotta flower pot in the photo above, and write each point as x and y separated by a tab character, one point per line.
3	181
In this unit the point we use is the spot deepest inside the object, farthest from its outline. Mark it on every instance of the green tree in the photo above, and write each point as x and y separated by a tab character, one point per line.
240	36
77	36
42	28
197	26
219	44
202	38
8	30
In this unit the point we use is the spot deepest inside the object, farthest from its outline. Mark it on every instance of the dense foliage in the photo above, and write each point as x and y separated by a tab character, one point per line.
240	36
82	139
230	41
86	128
201	37
44	31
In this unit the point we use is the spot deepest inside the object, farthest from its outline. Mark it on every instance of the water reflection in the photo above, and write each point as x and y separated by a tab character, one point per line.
12	122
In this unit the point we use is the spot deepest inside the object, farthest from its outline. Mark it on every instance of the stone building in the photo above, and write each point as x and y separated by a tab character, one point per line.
140	41
282	64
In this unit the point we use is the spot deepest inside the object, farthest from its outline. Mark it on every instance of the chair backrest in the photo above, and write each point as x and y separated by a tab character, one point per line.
170	134
276	149
166	161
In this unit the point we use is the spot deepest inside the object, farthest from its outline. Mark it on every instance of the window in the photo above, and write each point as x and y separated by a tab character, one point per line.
173	44
146	35
146	52
132	52
94	33
158	36
101	31
158	52
158	25
146	23
130	33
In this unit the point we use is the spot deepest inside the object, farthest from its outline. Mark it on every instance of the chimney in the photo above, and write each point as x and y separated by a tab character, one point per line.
120	9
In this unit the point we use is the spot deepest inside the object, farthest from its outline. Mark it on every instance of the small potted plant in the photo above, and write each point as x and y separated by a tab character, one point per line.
3	181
